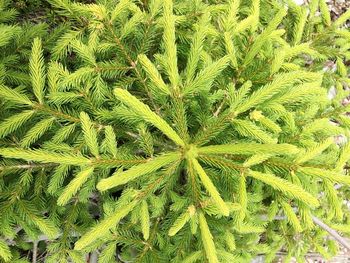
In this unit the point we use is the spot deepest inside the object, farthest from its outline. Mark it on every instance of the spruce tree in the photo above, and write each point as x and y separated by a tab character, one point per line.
176	131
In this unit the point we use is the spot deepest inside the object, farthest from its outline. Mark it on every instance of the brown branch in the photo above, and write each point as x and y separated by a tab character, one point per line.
331	232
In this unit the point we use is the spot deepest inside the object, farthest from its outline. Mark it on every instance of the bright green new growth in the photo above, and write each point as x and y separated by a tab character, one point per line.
144	112
175	131
90	134
153	74
103	228
210	188
37	70
287	187
123	177
74	185
179	223
145	223
207	238
44	156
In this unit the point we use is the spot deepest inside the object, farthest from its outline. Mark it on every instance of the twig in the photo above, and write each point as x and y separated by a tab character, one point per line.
216	113
93	258
322	225
35	251
331	231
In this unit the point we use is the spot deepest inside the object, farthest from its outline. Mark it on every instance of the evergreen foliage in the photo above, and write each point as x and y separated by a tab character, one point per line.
174	131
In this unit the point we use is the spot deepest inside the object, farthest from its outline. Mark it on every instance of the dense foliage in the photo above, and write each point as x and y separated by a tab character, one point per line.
172	131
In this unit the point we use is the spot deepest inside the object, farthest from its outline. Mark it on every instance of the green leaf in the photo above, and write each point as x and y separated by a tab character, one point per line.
179	223
153	74
84	52
37	70
169	42
291	216
279	83
231	17
5	252
60	50
63	133
44	156
242	197
119	9
285	187
230	241
14	122
230	48
299	93
145	112
244	24
76	256
249	148
197	47
256	159
134	172
111	142
331	194
36	132
249	228
72	188
193	257
250	130
103	227
107	255
90	134
57	178
343	157
206	77
60	98
342	19
144	218
7	32
325	174
269	124
207	240
146	140
14	96
326	16
210	188
314	151
32	215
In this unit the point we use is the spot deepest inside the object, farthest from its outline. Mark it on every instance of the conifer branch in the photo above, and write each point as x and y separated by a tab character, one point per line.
207	240
153	73
285	187
103	227
44	156
90	134
244	122
144	111
27	166
120	178
218	125
210	188
37	71
133	65
14	96
74	186
249	148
